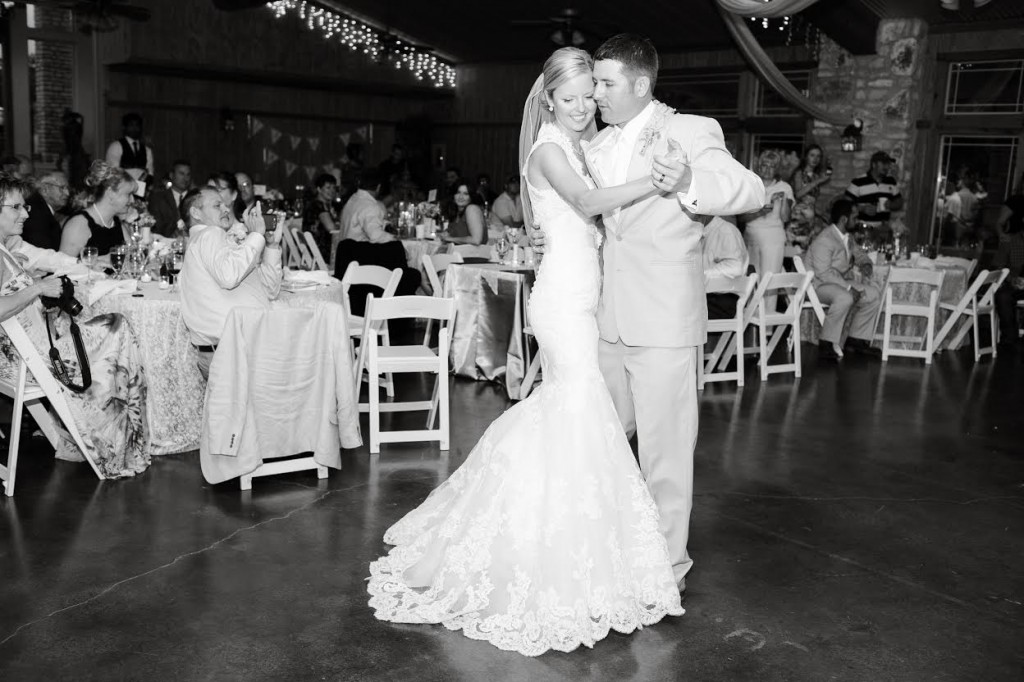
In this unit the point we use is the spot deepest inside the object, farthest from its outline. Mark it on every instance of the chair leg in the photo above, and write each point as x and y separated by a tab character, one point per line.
796	347
762	338
426	334
994	331
738	336
434	401
245	482
929	339
977	336
321	472
374	407
442	396
531	377
885	335
12	450
389	379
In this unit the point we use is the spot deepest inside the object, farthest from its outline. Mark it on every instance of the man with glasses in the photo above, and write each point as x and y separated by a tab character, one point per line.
42	228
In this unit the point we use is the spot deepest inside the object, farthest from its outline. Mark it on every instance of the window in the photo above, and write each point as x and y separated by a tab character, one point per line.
767	102
986	87
707	94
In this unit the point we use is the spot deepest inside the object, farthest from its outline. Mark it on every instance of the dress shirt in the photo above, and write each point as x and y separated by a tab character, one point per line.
178	196
363	219
725	252
506	210
622	150
221	273
844	237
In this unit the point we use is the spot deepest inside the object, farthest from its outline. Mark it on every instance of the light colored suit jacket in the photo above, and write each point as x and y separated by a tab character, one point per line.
653	293
829	260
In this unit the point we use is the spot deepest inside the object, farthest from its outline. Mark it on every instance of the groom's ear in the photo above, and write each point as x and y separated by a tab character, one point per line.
642	86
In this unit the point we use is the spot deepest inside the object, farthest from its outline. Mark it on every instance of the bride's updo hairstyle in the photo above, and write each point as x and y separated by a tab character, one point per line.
102	178
562	66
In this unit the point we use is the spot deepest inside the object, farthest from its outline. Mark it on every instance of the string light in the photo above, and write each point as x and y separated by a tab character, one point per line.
375	44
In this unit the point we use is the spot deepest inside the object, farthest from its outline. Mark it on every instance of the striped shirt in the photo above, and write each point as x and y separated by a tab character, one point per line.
867	190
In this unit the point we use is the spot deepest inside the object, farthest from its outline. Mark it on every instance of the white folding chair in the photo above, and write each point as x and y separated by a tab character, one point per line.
314	251
291	256
380	359
968	264
932	278
434	266
978	300
812	301
305	257
376	276
731	330
794	285
28	384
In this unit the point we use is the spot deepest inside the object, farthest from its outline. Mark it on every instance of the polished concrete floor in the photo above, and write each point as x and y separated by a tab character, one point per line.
861	523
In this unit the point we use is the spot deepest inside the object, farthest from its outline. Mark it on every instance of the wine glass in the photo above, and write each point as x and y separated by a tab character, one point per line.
177	260
89	256
117	255
502	246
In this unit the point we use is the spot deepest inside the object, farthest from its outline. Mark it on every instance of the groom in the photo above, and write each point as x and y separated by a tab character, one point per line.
652	315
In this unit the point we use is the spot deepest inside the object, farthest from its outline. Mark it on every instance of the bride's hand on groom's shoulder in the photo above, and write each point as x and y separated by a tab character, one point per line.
669	173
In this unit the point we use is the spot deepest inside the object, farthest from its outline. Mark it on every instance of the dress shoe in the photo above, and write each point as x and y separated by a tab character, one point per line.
828	352
861	347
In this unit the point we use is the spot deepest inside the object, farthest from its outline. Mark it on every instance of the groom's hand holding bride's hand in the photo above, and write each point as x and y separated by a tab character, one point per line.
669	172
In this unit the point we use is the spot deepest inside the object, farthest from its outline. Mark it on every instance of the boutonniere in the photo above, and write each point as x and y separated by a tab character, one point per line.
652	131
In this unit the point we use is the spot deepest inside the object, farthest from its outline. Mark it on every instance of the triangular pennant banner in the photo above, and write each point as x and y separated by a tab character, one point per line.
345	137
310	171
295	140
361	132
269	157
257	126
314	142
289	168
275	135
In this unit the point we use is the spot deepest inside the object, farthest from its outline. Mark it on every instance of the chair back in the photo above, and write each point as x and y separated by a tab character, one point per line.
369	275
435	265
967	264
292	256
305	257
798	264
314	251
409	307
740	286
916	276
985	285
793	284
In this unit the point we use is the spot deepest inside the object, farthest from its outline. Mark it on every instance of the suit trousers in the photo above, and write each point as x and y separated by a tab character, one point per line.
841	305
655	395
767	248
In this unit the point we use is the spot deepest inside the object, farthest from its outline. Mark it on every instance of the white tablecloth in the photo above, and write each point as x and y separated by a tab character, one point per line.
176	388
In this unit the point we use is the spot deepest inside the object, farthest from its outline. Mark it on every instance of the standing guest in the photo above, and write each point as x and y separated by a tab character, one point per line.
42	227
320	216
227	186
363	218
1010	226
165	202
222	272
130	151
765	231
110	414
391	168
832	256
246	190
452	174
964	206
876	194
483	190
109	192
465	217
807	181
724	255
507	210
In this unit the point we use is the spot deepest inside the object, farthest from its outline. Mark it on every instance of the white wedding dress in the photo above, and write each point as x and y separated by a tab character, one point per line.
546	537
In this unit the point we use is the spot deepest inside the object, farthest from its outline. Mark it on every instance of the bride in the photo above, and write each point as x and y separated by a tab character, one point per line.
546	537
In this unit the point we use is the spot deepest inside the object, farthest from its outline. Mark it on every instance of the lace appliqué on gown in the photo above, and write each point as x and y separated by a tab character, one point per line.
547	536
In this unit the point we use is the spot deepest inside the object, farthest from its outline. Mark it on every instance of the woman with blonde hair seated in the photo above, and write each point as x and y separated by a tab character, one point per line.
110	414
108	195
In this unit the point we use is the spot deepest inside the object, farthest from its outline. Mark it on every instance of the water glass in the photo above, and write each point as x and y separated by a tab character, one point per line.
89	256
502	247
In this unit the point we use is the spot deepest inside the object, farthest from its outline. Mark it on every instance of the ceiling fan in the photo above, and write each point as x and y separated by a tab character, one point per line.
569	27
100	16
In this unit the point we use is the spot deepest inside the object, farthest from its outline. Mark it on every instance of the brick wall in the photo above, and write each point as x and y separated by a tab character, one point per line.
52	85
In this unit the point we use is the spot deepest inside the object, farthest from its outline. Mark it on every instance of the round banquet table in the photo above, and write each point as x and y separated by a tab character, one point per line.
176	388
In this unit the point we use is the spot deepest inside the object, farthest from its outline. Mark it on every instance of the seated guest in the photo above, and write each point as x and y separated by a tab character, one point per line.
832	256
43	228
320	216
465	217
363	218
725	255
165	202
109	193
507	210
1010	226
227	186
221	271
246	190
111	414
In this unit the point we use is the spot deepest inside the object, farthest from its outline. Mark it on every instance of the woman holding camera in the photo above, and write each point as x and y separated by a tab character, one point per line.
110	413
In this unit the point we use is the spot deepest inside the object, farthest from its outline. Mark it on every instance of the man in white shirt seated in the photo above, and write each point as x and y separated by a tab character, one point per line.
363	217
221	271
832	256
725	255
507	210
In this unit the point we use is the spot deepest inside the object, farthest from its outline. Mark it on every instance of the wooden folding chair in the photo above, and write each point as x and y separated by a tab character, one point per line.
812	301
978	300
376	276
291	256
305	257
28	384
893	308
314	252
731	331
435	266
793	285
380	359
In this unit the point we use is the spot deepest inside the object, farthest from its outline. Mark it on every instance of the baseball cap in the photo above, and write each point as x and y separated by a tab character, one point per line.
882	156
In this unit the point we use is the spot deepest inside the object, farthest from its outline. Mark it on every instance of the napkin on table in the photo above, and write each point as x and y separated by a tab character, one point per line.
109	286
